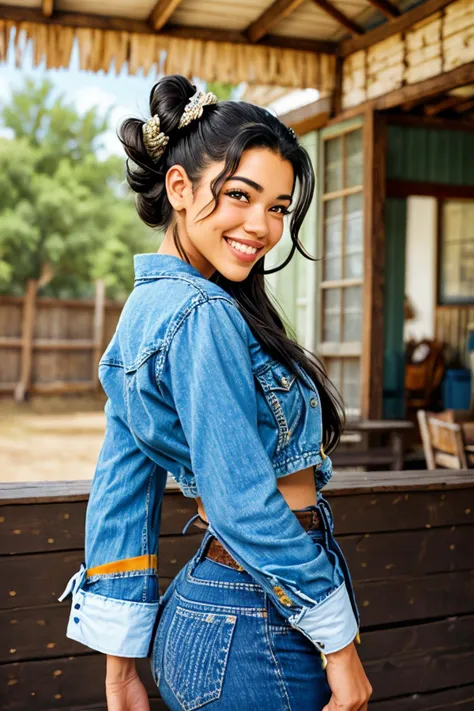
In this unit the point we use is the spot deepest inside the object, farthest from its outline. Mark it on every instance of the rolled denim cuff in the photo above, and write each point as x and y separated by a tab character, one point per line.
123	628
331	625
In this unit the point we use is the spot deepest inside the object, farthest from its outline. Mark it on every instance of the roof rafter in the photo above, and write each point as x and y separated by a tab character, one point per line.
47	7
448	102
161	13
126	24
399	24
337	15
274	14
387	8
466	105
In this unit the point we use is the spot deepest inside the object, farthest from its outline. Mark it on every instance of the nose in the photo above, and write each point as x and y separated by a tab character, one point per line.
256	223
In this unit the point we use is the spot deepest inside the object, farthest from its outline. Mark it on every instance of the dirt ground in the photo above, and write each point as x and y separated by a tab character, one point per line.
50	439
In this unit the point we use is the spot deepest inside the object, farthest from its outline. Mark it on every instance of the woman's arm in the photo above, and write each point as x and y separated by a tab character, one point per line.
124	690
206	375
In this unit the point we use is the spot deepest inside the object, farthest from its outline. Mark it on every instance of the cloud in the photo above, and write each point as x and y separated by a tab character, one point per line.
90	96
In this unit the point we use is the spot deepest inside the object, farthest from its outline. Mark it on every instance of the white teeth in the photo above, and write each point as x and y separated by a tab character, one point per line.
245	248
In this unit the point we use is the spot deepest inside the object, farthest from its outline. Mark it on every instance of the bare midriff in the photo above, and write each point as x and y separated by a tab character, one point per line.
298	490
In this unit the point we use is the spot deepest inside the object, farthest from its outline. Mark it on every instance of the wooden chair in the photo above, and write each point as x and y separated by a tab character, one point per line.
443	441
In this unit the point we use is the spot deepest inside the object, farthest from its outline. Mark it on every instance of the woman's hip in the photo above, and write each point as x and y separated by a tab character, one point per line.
220	639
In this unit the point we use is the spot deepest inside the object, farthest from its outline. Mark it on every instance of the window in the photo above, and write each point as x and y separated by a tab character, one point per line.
456	255
343	263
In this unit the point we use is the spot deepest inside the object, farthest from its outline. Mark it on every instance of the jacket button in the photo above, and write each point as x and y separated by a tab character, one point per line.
313	402
284	381
77	606
76	620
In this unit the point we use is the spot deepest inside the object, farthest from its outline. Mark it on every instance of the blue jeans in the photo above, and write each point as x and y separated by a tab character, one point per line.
220	640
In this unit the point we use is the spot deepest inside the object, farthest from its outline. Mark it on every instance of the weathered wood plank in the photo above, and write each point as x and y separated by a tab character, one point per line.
51	572
60	683
342	483
419	658
385	556
446	700
35	528
370	513
405	600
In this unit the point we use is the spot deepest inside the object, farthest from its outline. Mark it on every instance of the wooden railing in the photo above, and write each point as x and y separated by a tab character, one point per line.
408	540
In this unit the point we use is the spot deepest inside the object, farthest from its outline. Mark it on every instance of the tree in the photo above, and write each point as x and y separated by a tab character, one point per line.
64	215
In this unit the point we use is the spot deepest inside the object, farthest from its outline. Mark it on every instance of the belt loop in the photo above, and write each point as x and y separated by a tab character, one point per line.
193	518
200	552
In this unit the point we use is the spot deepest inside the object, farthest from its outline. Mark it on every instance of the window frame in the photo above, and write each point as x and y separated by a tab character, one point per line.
342	350
440	301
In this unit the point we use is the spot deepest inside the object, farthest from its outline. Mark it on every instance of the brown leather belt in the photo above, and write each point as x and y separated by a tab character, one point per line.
216	551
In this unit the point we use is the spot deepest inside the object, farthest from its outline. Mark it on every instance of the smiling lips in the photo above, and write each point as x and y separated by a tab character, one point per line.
245	250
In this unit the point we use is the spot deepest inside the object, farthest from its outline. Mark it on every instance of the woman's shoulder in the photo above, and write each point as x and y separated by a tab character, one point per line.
157	309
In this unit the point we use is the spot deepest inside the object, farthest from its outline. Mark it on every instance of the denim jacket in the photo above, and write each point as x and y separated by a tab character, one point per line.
190	391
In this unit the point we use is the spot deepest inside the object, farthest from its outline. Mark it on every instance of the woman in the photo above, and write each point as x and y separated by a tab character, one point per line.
203	382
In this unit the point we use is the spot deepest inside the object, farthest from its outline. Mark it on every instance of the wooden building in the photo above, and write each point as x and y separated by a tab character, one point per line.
407	537
394	121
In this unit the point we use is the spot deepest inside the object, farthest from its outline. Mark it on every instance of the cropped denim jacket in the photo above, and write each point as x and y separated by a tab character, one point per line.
191	392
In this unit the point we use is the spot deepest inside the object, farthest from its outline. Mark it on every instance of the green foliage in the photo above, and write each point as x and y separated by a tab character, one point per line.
64	213
223	90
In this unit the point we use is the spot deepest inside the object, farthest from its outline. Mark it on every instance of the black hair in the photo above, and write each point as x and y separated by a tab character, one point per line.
224	131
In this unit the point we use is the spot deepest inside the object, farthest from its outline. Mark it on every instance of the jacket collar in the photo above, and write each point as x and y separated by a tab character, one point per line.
147	266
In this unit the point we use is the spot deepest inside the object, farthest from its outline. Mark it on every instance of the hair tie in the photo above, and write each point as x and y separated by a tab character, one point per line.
156	141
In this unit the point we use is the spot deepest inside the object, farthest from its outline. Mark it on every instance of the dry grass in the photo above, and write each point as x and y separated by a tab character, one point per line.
50	439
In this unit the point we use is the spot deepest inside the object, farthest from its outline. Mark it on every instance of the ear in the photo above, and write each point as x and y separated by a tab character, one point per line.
178	187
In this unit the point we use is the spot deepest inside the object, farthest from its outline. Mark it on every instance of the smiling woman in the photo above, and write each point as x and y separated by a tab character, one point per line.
203	381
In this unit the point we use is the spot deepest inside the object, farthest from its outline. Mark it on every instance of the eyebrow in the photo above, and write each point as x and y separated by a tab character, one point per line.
256	186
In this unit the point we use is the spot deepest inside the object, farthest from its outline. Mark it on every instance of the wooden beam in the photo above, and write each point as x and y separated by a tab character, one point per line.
422	90
274	14
303	113
461	124
337	15
441	191
465	106
125	24
439	84
387	8
47	7
400	24
448	102
375	145
161	13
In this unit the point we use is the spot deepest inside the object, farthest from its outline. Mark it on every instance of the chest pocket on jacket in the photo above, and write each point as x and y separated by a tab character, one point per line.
280	388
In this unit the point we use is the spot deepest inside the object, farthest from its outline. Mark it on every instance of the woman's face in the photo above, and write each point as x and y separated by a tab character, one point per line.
248	221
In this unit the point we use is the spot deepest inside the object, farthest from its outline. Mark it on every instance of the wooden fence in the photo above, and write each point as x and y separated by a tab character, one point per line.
50	346
407	537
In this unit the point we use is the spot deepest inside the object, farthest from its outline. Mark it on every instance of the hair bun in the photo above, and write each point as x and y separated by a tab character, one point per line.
168	99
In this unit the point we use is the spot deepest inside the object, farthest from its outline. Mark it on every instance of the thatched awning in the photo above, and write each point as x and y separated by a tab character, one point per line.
168	54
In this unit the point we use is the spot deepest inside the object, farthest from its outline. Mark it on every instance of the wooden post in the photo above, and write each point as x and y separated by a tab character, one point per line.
29	308
99	322
375	147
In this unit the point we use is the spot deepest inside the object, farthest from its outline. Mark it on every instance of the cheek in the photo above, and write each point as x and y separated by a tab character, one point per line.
227	216
276	231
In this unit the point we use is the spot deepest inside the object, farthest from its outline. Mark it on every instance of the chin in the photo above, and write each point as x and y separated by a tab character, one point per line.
233	273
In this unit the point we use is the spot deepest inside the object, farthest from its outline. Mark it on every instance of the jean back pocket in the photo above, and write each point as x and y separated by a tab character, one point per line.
195	655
